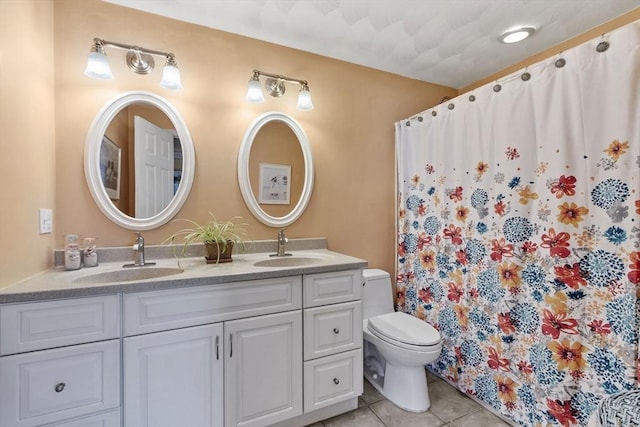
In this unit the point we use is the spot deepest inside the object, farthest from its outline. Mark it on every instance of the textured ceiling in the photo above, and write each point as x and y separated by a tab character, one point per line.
448	42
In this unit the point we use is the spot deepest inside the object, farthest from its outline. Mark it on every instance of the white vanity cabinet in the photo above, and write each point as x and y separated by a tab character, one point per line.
279	350
332	338
60	363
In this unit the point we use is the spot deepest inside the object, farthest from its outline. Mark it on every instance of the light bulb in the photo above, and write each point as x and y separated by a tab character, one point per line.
98	66
254	92
304	99
171	77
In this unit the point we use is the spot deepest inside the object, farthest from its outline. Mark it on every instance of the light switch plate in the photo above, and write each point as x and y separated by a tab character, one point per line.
46	221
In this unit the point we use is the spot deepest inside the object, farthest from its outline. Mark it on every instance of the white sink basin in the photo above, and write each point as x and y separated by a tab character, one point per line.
289	261
129	274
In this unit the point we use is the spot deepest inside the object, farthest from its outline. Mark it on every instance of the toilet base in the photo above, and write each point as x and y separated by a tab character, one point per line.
405	386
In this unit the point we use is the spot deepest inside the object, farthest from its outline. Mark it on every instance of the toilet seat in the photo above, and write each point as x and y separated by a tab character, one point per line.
405	331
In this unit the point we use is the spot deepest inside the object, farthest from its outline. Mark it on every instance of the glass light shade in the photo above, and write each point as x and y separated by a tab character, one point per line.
171	78
98	66
304	100
254	92
516	35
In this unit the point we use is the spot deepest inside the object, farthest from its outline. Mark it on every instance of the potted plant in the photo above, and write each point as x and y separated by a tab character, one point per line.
219	237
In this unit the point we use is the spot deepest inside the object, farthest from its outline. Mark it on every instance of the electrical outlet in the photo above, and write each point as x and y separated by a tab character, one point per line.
46	221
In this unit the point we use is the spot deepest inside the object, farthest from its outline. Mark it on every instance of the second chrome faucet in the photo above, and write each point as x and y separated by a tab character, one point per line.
282	240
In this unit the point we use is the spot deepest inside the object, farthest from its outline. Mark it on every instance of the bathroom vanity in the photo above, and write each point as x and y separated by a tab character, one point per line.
256	342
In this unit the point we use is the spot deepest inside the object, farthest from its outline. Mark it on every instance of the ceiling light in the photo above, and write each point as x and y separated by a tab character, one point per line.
138	59
275	86
517	34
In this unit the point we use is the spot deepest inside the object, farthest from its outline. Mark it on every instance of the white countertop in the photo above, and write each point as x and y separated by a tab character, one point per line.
58	283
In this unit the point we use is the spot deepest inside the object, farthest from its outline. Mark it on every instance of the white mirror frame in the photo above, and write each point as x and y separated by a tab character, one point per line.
243	170
92	160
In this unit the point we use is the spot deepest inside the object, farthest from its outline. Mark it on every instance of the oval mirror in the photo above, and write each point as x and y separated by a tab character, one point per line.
139	160
275	169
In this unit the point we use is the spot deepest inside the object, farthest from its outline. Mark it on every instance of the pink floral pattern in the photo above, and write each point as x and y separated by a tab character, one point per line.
525	255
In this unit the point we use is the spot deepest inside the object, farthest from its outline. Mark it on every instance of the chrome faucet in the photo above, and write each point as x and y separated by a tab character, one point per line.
281	242
138	253
138	250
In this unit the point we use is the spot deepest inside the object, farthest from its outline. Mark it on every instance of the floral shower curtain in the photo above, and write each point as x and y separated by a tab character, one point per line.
519	232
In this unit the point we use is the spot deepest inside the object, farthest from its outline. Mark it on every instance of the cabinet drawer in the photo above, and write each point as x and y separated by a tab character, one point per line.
332	379
332	329
48	324
331	288
155	311
105	419
53	385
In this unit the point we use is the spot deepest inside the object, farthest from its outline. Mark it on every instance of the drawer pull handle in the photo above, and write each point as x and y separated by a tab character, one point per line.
59	387
217	347
336	381
230	345
336	330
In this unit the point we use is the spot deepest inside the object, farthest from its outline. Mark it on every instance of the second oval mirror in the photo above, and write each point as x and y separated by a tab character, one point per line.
275	169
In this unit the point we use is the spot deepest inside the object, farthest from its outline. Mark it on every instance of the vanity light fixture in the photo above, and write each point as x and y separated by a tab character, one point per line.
275	86
516	34
138	59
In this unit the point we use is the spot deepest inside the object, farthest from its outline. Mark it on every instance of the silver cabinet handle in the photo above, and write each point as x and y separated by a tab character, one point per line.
230	345
217	347
59	387
336	381
336	330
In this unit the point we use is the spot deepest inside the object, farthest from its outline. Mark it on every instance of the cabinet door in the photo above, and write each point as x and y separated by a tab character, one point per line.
174	378
263	369
48	386
331	287
332	379
332	329
47	324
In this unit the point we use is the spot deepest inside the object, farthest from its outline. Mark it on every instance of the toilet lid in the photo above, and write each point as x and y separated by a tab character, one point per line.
399	326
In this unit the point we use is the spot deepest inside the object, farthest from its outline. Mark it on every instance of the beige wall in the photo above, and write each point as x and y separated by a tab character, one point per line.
350	130
27	164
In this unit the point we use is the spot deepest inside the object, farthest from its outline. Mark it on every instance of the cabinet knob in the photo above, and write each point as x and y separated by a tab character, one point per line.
336	381
336	330
59	387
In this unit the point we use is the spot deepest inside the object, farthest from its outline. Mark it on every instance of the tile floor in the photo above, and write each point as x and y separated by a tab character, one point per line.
449	408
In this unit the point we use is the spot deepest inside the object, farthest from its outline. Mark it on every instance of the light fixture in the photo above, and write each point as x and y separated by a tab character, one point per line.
138	59
275	86
171	74
254	90
304	99
98	64
516	34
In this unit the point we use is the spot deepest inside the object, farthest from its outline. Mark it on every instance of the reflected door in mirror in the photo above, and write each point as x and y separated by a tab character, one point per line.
151	160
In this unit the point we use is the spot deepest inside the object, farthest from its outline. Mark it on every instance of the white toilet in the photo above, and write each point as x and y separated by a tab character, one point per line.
396	345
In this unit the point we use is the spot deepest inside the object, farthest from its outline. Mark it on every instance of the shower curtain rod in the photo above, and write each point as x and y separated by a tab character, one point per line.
523	74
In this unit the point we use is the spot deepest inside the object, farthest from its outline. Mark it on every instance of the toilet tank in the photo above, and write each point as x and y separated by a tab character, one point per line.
377	293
